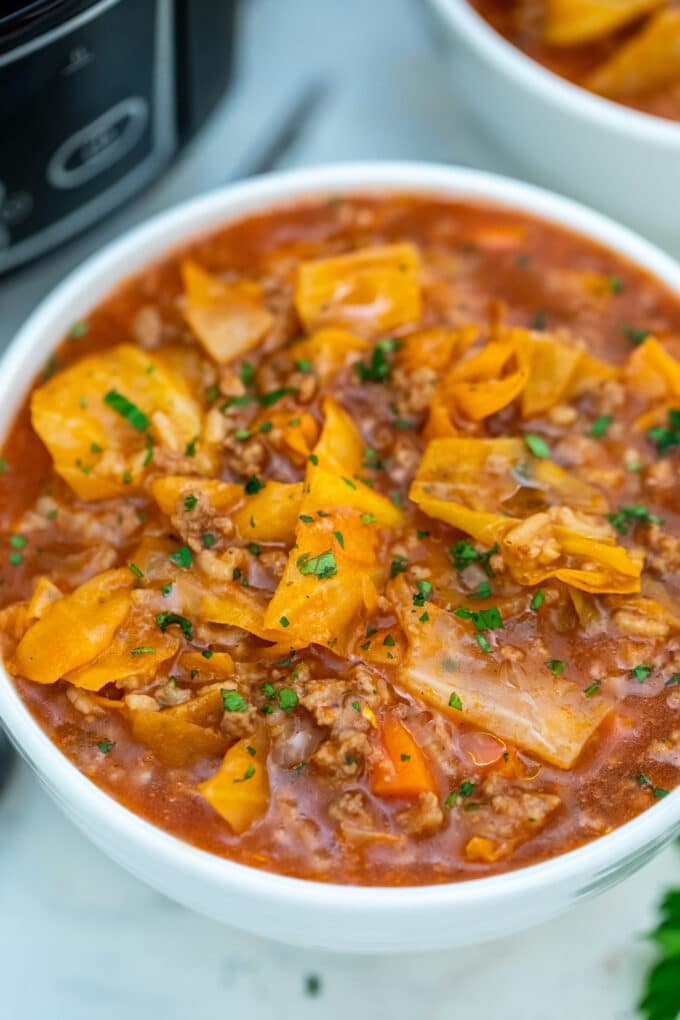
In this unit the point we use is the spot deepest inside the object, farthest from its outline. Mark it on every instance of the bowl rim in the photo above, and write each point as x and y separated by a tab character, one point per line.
602	112
585	867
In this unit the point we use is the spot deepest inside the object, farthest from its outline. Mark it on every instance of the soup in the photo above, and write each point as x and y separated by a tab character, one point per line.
345	542
627	51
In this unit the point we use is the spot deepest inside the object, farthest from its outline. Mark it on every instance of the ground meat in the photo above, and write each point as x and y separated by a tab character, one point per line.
192	525
245	458
664	556
147	327
236	725
424	817
666	751
351	811
346	709
416	389
294	829
511	817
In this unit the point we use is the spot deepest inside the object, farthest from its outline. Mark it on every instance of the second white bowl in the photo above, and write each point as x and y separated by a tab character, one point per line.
619	160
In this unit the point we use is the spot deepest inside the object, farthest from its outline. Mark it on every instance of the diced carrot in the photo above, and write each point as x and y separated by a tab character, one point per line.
404	771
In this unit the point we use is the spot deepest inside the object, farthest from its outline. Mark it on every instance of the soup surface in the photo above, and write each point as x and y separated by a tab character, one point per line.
345	543
627	51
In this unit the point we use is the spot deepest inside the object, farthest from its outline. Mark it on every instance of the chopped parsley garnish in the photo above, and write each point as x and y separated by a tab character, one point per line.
166	590
398	566
303	365
463	554
556	666
485	619
267	399
455	702
254	485
207	654
615	284
79	329
233	701
593	688
287	699
306	518
254	548
126	409
674	679
208	540
340	538
106	745
135	570
16	559
190	502
640	673
356	706
389	641
629	516
372	459
538	600
368	518
190	448
665	437
165	620
423	593
483	643
143	650
537	445
18	541
658	791
466	789
636	336
313	981
483	591
284	621
322	566
379	369
247	373
182	557
599	427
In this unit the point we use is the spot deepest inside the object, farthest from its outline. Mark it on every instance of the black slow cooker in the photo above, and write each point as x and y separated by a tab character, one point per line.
95	100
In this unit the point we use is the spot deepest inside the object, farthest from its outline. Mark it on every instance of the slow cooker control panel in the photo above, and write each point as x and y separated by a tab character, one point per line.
103	88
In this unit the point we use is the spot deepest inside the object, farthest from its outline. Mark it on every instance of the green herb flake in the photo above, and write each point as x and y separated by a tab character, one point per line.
483	591
190	502
615	284
593	688
455	702
306	518
182	557
356	706
398	566
135	570
483	643
165	620
322	566
423	593
636	336
640	673
674	679
303	365
313	981
106	745
208	540
537	445
284	621
233	701
368	518
538	599
556	666
287	699
166	590
79	329
18	541
143	650
629	516
267	399
340	539
254	548
16	559
658	791
126	409
599	427
4	467
254	485
389	641
379	368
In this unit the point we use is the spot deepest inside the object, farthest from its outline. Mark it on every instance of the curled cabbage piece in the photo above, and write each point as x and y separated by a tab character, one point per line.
227	318
369	290
102	417
521	703
648	62
73	630
577	22
239	791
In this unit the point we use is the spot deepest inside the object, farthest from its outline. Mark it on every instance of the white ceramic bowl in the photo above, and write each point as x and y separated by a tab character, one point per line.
301	912
616	159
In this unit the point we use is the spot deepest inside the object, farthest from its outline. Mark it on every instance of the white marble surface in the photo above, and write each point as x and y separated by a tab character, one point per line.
81	939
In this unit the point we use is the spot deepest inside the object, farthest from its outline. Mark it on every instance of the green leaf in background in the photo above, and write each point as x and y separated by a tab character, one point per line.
661	1000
